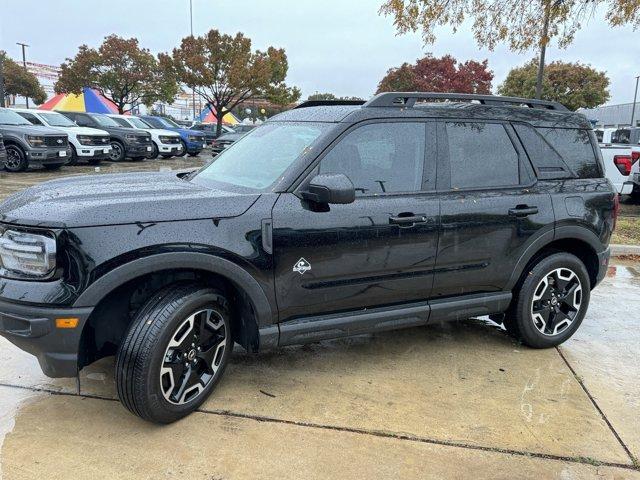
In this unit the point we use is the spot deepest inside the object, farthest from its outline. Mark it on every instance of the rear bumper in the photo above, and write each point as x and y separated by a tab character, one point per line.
32	329
603	264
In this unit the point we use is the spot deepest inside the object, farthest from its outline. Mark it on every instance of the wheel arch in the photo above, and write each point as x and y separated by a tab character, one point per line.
116	294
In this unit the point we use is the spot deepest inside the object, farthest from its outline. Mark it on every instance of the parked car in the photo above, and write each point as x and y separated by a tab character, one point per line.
163	142
620	159
210	131
27	145
192	141
323	222
243	128
90	144
3	153
125	142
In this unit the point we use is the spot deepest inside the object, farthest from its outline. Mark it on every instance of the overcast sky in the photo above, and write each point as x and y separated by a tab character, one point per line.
337	46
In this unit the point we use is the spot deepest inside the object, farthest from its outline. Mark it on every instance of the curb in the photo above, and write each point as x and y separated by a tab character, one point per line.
617	250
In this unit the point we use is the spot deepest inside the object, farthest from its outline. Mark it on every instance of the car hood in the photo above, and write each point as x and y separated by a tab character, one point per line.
162	131
30	130
119	199
87	131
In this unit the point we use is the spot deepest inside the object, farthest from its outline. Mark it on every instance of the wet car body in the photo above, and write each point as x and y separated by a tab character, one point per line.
299	273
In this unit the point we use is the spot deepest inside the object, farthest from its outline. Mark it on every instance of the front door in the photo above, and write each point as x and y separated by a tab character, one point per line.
379	250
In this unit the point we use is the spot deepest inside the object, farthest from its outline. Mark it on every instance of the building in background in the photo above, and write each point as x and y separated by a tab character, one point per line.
613	116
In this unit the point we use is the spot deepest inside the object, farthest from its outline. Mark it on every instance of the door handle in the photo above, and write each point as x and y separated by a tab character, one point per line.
407	220
523	211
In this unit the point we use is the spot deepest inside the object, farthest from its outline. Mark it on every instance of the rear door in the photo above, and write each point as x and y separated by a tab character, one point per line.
380	249
492	207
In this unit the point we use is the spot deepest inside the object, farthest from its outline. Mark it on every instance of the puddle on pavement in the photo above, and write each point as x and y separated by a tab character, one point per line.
623	272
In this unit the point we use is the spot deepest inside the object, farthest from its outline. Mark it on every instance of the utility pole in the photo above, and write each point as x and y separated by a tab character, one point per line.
635	97
1	80
24	63
193	90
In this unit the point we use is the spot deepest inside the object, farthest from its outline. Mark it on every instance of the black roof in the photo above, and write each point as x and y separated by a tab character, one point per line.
472	107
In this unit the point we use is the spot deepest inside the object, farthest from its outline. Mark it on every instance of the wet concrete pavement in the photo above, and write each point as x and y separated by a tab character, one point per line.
447	401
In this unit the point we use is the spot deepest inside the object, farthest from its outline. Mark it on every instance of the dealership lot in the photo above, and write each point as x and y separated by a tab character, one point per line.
453	399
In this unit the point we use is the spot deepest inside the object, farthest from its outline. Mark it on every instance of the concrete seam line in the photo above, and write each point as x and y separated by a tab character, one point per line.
597	407
375	433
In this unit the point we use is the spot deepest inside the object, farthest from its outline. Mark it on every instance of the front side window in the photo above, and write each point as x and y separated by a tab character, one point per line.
31	117
380	158
255	162
57	120
481	155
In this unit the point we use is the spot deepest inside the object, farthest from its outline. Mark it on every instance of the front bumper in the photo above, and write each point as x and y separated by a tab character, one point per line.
48	155
137	150
195	147
174	148
32	328
87	151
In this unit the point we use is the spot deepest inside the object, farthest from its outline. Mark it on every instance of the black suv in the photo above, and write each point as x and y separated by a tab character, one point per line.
325	221
125	141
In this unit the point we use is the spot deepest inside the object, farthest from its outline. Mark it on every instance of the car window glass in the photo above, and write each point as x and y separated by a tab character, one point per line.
121	121
380	158
31	117
481	155
574	145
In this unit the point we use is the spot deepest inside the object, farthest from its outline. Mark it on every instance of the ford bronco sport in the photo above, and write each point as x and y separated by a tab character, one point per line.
326	221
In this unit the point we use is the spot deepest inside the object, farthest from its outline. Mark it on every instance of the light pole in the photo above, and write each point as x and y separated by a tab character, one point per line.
635	96
24	63
193	90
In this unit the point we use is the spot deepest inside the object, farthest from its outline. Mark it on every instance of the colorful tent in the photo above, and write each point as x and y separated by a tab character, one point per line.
88	101
207	116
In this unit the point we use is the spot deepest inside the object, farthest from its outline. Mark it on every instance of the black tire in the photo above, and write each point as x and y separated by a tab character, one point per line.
541	294
16	159
137	159
183	152
166	156
155	152
146	351
73	158
117	151
52	166
194	154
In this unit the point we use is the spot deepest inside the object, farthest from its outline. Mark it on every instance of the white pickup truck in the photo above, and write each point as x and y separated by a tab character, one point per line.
620	154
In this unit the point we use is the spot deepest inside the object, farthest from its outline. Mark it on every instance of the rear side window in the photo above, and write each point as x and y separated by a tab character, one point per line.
575	148
481	155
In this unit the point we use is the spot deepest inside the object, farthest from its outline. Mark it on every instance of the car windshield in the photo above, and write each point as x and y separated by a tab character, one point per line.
7	117
256	161
138	122
56	120
168	123
105	121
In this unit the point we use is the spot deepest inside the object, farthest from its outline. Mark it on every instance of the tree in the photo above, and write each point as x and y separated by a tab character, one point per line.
19	81
575	85
121	71
522	24
431	74
330	96
226	72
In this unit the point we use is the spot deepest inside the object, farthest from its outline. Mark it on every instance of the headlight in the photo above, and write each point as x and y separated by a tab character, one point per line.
167	139
27	254
84	140
192	138
35	140
131	137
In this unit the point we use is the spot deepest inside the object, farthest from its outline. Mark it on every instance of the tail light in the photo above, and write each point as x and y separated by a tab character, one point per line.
616	209
635	156
624	163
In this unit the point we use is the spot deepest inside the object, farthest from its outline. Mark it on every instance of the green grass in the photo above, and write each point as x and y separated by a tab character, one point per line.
627	231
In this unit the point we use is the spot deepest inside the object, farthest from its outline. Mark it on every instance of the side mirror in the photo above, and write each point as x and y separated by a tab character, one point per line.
327	188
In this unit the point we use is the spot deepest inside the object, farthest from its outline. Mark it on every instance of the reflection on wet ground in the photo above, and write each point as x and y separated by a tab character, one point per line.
436	402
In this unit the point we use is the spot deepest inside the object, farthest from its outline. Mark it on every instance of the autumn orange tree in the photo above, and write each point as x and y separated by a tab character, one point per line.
575	85
19	81
120	70
227	72
445	74
522	24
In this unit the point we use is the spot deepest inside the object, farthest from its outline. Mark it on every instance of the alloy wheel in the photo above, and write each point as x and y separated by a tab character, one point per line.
13	160
556	301
193	356
116	152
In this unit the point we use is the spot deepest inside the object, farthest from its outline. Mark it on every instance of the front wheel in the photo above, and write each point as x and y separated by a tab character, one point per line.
183	152
174	353
16	159
117	153
154	152
551	302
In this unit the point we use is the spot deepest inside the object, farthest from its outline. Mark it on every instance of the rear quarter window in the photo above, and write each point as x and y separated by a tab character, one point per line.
575	147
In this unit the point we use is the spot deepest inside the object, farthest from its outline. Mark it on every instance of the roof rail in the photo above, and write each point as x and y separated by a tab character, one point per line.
323	103
408	100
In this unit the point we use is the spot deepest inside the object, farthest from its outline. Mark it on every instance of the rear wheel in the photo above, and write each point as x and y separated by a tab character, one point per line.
174	352
16	159
551	302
